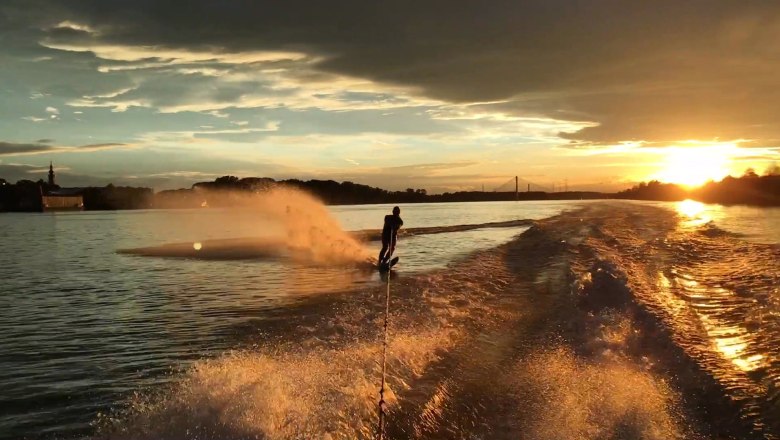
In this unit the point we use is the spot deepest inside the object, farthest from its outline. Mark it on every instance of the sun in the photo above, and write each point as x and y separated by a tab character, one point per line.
695	166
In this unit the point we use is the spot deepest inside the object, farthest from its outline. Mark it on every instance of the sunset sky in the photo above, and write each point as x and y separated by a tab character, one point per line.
442	95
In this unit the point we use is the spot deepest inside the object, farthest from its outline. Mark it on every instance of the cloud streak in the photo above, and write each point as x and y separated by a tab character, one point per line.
25	149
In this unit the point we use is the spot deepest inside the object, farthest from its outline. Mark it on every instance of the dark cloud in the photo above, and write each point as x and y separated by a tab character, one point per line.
12	148
644	70
18	149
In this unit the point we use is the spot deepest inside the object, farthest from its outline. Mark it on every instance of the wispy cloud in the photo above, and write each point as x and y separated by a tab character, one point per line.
207	131
34	119
174	56
69	25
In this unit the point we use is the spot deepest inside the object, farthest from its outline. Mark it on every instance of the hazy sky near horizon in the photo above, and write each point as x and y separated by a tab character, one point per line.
442	95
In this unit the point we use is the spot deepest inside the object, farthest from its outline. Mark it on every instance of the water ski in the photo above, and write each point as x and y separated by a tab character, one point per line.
389	265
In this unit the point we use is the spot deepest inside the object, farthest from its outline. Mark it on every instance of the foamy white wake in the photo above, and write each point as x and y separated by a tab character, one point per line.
323	393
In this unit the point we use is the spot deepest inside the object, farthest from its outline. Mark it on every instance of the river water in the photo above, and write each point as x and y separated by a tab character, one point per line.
96	342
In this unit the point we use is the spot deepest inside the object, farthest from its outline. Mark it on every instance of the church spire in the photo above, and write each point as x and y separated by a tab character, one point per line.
51	174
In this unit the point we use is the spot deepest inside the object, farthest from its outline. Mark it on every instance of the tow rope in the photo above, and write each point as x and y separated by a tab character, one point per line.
380	434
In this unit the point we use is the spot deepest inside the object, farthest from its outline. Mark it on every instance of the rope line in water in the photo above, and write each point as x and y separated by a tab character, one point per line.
380	434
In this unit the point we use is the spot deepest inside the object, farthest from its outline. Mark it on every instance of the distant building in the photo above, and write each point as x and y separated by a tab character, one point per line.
61	199
64	199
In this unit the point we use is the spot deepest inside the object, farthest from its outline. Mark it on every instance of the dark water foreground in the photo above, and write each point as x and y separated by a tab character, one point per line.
610	322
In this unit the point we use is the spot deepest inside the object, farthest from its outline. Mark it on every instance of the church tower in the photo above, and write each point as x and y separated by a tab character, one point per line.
51	174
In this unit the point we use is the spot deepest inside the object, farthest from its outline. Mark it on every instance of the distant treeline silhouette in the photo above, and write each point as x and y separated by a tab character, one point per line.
750	189
25	195
340	193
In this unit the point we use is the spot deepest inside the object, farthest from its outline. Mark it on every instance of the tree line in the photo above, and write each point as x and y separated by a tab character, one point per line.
25	195
343	193
748	189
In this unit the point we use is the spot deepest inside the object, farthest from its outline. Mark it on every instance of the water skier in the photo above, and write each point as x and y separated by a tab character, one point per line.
390	235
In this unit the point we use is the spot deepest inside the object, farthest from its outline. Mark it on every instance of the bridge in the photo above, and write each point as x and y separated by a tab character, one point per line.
517	183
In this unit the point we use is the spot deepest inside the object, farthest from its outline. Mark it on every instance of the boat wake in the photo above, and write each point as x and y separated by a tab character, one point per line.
321	246
615	321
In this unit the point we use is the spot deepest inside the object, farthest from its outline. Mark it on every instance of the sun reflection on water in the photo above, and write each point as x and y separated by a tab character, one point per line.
732	342
734	348
694	213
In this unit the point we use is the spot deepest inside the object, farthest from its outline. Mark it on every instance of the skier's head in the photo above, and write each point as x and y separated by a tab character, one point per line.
396	211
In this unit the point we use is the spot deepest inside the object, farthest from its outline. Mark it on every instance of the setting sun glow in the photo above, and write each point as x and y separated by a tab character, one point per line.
694	166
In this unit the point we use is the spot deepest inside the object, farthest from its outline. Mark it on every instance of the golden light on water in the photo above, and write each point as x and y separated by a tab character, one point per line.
732	342
730	347
733	348
694	213
750	363
690	208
